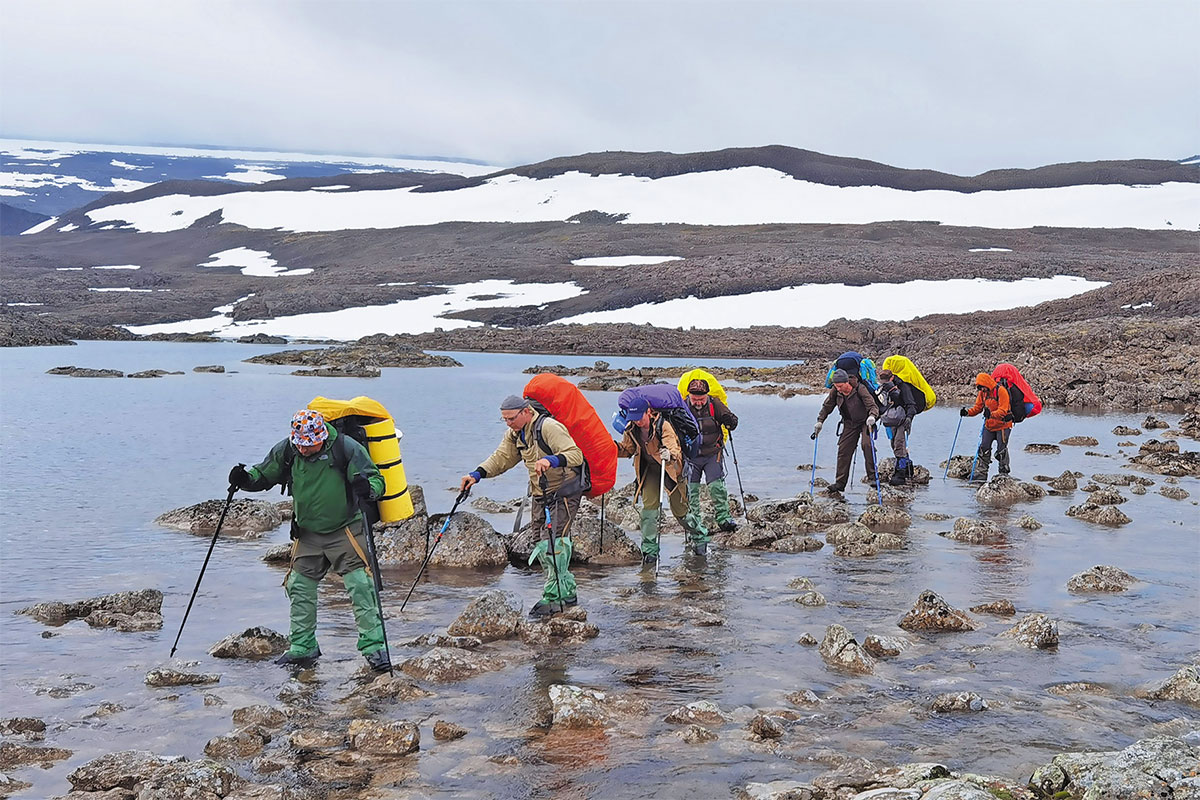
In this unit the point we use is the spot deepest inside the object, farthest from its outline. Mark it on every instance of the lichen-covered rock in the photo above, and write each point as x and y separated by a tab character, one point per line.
236	746
1163	766
1028	523
260	716
1174	493
700	712
765	727
1152	423
1125	430
1101	578
254	644
445	731
1066	482
932	613
1099	514
696	734
126	623
444	665
884	646
1106	497
383	738
165	676
797	544
975	531
1080	441
469	542
492	615
1035	631
577	707
1184	686
1039	448
132	603
1000	608
1003	490
812	598
125	769
841	650
1165	458
885	518
958	702
246	518
13	755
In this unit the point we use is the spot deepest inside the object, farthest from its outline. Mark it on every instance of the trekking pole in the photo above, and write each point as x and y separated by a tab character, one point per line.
982	428
602	499
662	487
520	510
550	531
374	565
952	444
203	567
429	555
738	471
812	480
875	461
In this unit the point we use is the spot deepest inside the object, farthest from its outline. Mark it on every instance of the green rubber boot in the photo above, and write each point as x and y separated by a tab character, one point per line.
693	522
366	614
302	591
720	500
649	527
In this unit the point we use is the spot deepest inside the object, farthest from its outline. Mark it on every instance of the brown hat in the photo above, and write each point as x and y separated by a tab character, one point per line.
698	386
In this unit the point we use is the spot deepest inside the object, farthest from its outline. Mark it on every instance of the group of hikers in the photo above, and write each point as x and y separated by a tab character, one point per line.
675	437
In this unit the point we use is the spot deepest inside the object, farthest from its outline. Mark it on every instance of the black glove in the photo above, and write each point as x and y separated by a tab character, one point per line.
238	477
1007	417
361	487
964	412
987	413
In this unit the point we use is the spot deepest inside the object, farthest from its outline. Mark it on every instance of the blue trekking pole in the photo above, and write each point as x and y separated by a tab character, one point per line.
812	481
982	428
445	525
952	444
875	461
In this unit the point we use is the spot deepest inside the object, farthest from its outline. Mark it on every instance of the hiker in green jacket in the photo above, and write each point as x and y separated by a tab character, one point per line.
329	476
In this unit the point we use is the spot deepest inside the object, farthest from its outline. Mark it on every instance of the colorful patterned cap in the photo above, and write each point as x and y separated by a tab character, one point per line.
308	428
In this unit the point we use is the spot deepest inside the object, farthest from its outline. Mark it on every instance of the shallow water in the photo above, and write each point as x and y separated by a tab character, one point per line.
90	462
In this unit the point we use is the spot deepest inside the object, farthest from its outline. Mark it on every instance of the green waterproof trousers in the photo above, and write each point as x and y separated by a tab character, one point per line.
559	582
720	501
652	505
302	591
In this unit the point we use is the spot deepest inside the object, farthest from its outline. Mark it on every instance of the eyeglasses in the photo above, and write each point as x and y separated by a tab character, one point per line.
508	420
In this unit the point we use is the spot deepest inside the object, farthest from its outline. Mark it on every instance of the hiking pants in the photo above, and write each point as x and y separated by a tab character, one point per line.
559	583
312	556
900	439
1001	438
852	434
652	507
712	470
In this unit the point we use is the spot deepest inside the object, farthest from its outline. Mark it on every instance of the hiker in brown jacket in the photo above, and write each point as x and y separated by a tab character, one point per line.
859	412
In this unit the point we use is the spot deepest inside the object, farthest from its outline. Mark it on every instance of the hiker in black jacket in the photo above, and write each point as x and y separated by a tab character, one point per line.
897	417
859	413
709	464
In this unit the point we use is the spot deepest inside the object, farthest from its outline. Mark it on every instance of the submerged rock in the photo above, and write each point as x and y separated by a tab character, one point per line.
1000	608
696	734
1066	482
1101	578
1152	423
253	643
237	746
1035	631
811	599
1029	523
932	613
779	790
884	518
490	616
854	539
1160	767
1184	686
700	712
444	665
958	702
85	372
975	531
797	544
259	716
1099	514
140	621
884	646
570	627
383	738
1080	441
1173	493
841	650
1125	430
445	731
576	707
1041	448
766	727
246	518
165	676
129	604
13	755
1165	458
1003	490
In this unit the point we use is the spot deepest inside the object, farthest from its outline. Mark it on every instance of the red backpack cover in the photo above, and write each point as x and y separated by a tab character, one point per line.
567	404
1013	377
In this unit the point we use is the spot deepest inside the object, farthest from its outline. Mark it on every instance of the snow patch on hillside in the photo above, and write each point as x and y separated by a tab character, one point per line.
119	266
41	226
404	316
742	196
623	261
255	263
248	173
813	305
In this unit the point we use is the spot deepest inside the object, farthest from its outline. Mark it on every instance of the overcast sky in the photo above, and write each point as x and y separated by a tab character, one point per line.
958	86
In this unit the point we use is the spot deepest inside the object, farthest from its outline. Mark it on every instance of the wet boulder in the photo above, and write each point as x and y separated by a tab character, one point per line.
260	716
238	745
435	639
700	712
489	506
764	727
445	731
383	738
840	650
577	707
1125	430
1028	523
1163	766
885	518
1183	686
696	734
754	535
779	790
85	372
958	702
797	544
892	496
932	613
1066	482
569	627
884	646
959	466
279	554
853	539
469	541
590	544
1165	458
975	531
128	604
1174	493
1100	578
213	368
1105	497
126	623
14	755
492	615
31	728
887	467
813	599
1080	441
999	608
1153	423
1039	448
253	643
165	676
1004	490
445	665
395	688
1035	631
1099	514
246	518
126	769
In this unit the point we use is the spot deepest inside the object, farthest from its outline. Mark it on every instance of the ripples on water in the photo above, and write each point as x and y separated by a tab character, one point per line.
89	463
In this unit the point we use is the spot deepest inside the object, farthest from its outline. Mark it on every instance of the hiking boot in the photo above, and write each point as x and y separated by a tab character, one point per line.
571	601
729	526
546	608
301	661
700	548
1004	470
898	479
649	559
379	661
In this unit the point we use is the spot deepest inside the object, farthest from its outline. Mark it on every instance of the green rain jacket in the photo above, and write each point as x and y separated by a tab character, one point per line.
320	501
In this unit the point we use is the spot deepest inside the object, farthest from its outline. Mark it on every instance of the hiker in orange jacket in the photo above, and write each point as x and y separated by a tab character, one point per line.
992	400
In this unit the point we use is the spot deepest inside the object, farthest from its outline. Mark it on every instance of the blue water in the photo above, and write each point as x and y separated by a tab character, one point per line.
89	463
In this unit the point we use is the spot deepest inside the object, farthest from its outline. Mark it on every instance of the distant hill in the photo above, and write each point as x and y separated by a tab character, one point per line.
14	220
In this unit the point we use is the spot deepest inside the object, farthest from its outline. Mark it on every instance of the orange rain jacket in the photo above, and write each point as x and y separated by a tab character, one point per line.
998	414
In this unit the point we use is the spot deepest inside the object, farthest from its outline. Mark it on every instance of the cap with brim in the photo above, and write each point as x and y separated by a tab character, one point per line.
626	417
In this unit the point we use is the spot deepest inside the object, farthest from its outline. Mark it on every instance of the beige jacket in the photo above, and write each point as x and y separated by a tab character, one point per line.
631	446
517	446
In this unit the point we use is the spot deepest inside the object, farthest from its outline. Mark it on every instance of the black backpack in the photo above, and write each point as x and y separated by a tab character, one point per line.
1016	399
582	482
